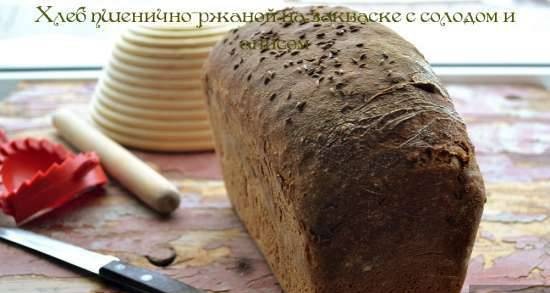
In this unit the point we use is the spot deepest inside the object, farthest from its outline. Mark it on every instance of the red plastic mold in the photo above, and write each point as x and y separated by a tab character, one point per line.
37	176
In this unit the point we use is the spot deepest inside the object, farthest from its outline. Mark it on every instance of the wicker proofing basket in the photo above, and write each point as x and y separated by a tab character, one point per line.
150	95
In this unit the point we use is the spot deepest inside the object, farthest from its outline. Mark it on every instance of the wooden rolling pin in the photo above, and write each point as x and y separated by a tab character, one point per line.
151	187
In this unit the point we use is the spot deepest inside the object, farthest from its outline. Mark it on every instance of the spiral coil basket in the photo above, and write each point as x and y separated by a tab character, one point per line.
150	95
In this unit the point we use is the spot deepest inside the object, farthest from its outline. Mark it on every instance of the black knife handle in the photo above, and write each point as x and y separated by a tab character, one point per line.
141	280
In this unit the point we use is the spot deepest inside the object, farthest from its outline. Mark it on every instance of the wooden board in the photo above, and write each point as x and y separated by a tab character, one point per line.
510	127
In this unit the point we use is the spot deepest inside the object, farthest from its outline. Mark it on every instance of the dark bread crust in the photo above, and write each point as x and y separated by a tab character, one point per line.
364	181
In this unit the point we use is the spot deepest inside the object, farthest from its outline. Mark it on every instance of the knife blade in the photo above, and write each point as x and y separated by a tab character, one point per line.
107	267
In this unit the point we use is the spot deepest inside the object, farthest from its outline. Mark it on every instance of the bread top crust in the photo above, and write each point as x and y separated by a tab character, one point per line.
350	74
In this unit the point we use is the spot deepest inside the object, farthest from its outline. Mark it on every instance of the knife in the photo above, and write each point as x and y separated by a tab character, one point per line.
108	267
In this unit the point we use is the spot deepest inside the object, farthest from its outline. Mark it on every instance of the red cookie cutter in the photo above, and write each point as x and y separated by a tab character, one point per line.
37	176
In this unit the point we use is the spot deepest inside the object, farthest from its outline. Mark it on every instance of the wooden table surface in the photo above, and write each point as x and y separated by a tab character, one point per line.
510	127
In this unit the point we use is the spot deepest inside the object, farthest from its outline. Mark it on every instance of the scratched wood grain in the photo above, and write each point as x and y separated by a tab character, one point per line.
204	243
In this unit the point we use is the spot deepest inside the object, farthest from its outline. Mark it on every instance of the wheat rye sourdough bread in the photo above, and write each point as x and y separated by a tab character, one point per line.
347	162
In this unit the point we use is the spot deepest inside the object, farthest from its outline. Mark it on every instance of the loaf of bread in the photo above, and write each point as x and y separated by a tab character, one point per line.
346	161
